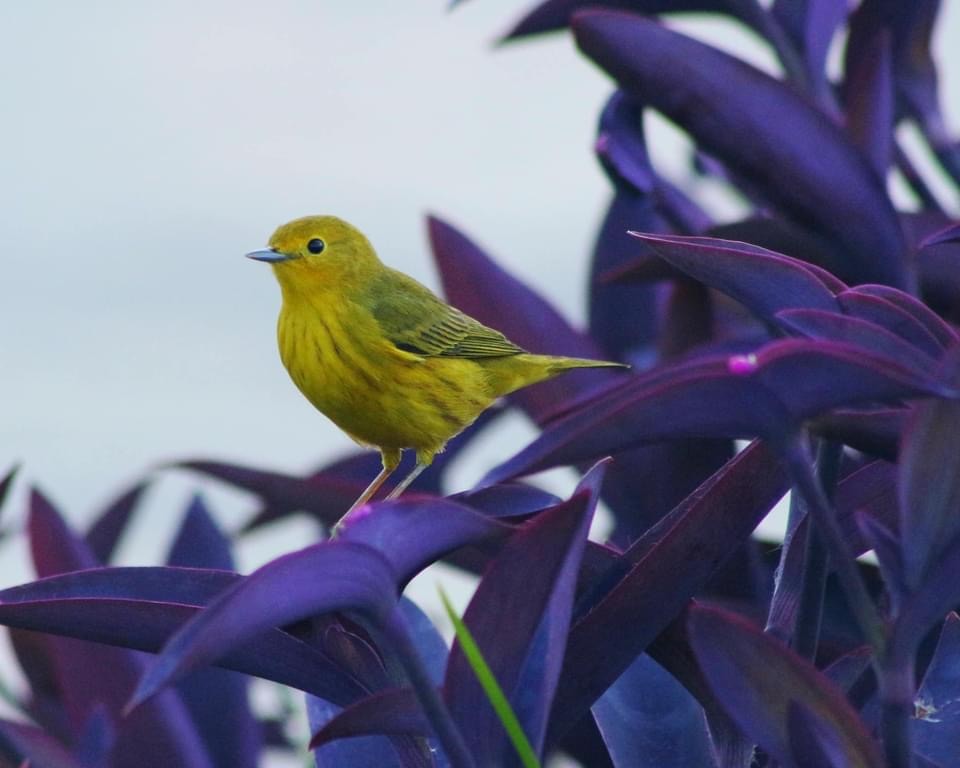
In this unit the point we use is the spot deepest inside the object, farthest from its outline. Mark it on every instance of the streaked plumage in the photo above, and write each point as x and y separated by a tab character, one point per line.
385	359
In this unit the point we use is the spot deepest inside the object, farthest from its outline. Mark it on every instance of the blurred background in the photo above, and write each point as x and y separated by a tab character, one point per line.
147	147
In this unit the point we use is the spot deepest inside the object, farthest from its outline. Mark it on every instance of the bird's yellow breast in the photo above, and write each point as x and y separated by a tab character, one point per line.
380	395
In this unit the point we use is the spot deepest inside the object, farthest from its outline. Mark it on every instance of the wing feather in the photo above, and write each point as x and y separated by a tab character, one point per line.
416	321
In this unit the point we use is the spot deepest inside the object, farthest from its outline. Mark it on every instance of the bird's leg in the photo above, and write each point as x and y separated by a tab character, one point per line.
391	460
423	461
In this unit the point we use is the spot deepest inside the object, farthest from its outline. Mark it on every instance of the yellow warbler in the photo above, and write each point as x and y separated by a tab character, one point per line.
386	360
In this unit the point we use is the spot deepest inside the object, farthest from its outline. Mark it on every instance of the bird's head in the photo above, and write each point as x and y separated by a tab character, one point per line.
317	251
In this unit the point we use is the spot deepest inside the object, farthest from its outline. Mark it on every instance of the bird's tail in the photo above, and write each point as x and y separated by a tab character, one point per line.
512	373
557	365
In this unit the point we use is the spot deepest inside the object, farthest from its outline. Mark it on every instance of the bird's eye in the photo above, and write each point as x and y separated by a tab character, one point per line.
316	245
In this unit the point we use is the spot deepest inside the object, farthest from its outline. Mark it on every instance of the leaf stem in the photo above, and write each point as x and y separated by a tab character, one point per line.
896	682
800	466
396	632
815	559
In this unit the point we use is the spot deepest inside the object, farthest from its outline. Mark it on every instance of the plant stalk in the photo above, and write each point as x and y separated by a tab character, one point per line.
800	466
816	560
896	682
395	630
768	26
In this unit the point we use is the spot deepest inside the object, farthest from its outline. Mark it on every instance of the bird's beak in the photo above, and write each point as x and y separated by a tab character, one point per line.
269	255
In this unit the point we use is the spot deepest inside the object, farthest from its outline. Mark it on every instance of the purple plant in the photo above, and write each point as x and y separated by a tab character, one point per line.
820	328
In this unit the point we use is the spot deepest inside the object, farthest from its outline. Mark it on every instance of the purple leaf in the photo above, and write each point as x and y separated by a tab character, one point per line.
35	657
894	314
671	649
412	751
872	490
688	320
621	147
939	268
216	698
430	645
412	533
764	281
942	331
847	670
365	751
949	234
393	711
759	391
757	678
911	27
832	326
92	677
924	608
506	500
140	608
554	15
930	480
373	657
97	740
648	720
786	238
323	578
647	481
54	546
665	474
105	533
869	99
623	316
813	742
352	648
936	724
519	617
811	25
718	100
199	542
655	578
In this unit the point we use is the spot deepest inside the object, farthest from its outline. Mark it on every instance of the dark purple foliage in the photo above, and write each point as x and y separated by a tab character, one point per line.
811	172
648	719
822	327
761	682
216	698
936	726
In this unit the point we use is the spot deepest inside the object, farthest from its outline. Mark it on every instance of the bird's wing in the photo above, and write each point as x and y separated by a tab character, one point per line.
416	321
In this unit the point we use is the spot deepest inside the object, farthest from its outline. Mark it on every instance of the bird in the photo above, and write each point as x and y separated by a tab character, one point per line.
389	362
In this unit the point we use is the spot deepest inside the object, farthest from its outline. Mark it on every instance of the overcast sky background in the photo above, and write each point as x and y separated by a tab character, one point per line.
147	147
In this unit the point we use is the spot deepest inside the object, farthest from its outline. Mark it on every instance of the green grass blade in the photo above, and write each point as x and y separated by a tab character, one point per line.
491	687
